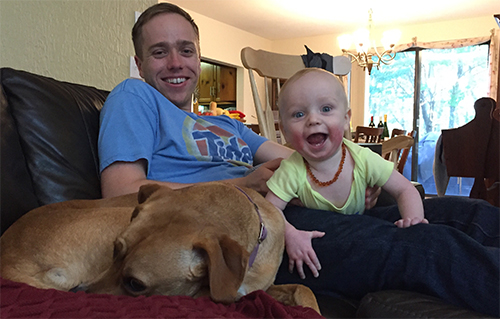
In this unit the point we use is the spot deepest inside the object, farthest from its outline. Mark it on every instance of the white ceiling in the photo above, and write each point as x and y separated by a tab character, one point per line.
283	19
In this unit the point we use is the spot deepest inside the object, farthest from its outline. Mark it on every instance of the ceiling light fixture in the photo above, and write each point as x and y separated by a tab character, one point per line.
367	54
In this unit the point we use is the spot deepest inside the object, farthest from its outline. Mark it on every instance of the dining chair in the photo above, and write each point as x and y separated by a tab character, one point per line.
275	67
397	131
406	151
365	134
397	149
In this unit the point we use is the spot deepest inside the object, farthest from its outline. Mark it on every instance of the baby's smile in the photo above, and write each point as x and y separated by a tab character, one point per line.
316	138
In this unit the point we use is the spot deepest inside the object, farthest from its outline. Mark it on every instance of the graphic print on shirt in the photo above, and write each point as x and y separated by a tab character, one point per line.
208	142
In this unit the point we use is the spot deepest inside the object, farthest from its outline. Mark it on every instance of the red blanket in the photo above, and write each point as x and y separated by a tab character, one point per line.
19	300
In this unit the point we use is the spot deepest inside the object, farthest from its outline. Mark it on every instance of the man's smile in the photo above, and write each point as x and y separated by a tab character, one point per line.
175	80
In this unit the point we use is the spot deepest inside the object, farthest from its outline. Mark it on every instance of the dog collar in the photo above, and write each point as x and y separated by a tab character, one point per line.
262	232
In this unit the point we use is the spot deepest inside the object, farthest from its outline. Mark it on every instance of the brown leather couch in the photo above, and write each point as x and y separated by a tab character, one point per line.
49	132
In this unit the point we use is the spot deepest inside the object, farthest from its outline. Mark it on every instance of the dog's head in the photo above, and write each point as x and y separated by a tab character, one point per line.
178	244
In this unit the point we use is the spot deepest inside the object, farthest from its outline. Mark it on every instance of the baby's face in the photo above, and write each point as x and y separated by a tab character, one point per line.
314	115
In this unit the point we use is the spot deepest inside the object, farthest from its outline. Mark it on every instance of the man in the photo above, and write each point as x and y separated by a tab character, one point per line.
168	58
149	135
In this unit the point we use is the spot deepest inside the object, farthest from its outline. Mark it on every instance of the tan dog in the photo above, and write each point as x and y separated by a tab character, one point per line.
195	241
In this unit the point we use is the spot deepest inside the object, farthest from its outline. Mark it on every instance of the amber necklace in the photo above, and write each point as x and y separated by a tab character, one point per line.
335	178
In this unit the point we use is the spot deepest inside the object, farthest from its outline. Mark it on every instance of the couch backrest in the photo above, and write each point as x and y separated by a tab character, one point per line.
49	132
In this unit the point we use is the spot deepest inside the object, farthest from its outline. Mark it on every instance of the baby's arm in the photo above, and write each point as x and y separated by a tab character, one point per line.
408	198
297	242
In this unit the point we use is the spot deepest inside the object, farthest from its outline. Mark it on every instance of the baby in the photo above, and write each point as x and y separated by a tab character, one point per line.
327	171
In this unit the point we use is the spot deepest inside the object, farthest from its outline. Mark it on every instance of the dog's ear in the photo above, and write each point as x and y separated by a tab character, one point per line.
145	191
227	265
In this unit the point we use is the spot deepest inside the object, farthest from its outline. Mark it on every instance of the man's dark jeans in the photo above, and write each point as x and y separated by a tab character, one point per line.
455	257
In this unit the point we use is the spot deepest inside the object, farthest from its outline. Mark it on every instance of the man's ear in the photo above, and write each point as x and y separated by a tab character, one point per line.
138	62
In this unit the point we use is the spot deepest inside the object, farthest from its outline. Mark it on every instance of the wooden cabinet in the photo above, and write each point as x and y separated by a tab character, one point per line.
206	83
217	83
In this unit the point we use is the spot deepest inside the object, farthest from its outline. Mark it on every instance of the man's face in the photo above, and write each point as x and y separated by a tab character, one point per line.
170	58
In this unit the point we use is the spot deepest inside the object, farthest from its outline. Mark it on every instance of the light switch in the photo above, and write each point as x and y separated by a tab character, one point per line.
134	71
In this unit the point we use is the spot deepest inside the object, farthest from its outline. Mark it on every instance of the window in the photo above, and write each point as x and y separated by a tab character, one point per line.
449	82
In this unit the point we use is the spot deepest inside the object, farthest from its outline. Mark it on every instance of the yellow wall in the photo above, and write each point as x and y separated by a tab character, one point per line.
89	42
82	41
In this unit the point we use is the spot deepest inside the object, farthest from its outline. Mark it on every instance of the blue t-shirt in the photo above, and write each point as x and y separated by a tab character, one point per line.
138	122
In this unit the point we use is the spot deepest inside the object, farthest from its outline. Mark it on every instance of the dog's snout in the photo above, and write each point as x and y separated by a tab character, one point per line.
80	287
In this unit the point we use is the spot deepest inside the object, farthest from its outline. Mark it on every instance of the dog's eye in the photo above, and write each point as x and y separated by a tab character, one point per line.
133	285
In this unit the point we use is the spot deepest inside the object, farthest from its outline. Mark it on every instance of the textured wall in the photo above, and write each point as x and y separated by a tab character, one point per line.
82	41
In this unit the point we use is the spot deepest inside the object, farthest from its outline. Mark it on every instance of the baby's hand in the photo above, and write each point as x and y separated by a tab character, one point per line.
300	251
407	222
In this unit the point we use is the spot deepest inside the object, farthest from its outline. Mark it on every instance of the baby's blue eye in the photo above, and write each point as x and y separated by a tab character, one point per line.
326	109
298	114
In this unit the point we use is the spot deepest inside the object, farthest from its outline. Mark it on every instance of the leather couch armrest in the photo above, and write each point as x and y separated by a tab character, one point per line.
53	127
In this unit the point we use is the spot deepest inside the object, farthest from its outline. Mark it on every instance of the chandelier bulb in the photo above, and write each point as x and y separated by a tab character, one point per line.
366	47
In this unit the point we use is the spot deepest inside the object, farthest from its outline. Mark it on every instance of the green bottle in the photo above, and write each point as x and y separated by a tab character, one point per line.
386	130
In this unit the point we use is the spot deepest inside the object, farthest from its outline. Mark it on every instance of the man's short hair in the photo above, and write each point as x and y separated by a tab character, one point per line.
150	13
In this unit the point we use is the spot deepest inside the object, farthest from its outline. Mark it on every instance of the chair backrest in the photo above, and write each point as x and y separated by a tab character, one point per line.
472	150
405	152
397	131
277	67
392	148
368	134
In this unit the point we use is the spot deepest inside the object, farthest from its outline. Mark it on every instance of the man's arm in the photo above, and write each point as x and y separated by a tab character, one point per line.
122	178
270	150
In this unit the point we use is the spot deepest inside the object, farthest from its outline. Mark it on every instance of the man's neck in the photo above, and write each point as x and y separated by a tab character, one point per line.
186	108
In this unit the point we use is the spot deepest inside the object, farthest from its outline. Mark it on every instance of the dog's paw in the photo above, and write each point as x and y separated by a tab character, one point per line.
58	279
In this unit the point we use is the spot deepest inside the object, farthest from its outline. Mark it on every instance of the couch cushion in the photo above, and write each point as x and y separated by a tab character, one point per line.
407	304
57	128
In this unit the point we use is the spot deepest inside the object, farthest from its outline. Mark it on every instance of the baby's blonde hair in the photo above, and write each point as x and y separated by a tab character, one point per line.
299	74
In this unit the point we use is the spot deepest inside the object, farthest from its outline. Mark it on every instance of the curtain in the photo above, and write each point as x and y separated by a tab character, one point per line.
494	62
441	44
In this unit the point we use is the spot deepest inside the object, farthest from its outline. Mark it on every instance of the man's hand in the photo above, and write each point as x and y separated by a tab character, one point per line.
258	178
371	196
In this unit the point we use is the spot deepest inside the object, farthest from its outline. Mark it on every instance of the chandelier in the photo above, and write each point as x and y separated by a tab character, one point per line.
367	54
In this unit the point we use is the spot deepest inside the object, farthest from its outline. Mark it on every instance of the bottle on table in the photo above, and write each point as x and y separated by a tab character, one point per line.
371	122
386	129
381	125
